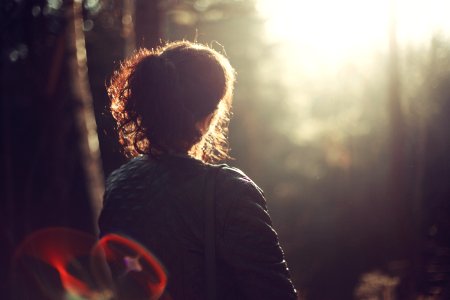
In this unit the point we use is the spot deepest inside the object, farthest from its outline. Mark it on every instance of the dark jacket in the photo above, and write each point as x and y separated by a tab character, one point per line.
160	203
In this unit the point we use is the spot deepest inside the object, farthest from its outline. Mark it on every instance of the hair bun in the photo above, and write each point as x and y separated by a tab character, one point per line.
159	96
157	67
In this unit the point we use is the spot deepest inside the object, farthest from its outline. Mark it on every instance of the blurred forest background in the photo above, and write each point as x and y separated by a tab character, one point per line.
344	124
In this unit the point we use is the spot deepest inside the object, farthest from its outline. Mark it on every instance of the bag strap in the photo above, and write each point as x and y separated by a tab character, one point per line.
210	234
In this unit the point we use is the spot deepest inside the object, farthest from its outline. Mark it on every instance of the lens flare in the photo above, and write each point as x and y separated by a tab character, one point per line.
64	250
62	263
135	272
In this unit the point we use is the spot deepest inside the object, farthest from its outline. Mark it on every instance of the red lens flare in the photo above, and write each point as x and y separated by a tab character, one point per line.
135	271
60	248
62	263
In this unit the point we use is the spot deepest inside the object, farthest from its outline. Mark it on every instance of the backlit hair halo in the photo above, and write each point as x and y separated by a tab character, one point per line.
158	97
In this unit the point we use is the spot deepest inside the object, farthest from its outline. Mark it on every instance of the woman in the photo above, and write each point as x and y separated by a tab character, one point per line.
172	106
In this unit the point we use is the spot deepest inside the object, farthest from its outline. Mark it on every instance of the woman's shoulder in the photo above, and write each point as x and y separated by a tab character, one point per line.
130	178
230	182
232	174
235	184
135	165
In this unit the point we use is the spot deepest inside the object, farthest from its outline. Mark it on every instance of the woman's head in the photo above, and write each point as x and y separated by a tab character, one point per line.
176	98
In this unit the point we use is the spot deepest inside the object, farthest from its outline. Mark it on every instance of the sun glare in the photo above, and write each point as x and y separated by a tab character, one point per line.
327	48
335	29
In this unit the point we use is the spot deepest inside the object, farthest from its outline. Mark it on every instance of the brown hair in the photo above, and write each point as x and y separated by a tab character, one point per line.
158	97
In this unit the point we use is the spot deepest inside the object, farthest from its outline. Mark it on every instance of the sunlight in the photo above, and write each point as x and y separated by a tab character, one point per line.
327	50
337	29
328	27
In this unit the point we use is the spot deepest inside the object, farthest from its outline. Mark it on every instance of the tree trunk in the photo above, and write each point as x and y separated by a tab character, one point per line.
49	156
147	23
